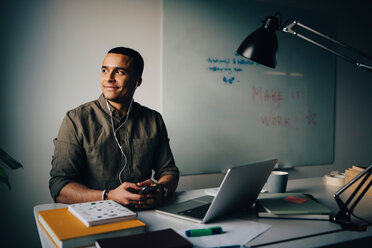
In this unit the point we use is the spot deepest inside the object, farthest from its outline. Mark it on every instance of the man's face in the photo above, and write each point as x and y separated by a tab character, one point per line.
117	78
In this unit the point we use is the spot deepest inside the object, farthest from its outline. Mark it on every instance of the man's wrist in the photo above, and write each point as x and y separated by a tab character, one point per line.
164	190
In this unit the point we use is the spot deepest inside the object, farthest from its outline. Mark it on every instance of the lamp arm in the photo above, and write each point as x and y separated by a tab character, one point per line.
289	29
361	194
343	215
346	186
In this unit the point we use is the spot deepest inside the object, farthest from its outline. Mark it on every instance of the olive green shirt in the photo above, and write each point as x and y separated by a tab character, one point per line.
86	151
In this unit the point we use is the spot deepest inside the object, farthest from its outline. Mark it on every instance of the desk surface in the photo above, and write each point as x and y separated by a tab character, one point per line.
283	233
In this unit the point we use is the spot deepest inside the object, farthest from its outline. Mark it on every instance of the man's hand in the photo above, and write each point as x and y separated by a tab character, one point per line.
75	193
153	199
123	195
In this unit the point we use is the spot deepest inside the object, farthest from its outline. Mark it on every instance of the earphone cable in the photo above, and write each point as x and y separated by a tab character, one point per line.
115	136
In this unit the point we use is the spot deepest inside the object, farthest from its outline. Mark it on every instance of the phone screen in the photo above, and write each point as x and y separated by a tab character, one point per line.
148	189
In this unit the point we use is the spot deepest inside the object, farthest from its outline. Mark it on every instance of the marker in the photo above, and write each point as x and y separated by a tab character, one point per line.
204	232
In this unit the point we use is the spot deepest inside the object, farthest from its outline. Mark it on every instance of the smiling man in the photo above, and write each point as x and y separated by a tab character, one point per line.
109	148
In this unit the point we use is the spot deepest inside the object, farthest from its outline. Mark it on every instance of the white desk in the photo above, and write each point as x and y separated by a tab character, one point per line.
283	233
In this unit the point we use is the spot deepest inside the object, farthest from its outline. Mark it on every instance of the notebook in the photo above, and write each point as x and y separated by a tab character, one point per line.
239	188
291	206
167	238
101	212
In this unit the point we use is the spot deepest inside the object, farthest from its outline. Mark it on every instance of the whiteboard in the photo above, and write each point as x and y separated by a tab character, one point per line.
222	110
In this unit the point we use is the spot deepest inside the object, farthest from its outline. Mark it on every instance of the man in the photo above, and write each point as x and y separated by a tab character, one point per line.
108	148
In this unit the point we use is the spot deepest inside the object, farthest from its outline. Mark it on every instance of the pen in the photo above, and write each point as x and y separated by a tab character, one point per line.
204	232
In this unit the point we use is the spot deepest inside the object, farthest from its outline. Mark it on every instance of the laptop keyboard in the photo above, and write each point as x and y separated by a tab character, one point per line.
198	212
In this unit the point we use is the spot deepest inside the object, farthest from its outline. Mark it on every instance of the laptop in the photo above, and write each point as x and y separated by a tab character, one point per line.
239	188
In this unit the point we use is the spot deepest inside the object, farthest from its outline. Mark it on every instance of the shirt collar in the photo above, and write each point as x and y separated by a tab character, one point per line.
103	102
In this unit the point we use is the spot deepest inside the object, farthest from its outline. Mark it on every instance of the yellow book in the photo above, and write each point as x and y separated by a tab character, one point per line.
65	230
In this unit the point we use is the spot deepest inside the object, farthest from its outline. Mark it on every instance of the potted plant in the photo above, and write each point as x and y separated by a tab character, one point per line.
7	161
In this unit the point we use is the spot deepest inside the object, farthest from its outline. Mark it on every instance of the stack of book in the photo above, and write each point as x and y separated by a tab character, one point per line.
353	172
84	223
291	206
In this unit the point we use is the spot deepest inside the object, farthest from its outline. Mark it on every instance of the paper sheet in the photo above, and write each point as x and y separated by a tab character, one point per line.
236	232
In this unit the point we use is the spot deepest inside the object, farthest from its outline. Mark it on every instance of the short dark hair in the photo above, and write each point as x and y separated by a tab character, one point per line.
136	56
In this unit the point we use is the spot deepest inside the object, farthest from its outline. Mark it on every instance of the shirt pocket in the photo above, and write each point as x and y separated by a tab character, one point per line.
142	158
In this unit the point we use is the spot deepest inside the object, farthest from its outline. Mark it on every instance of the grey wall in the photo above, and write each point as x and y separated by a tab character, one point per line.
51	52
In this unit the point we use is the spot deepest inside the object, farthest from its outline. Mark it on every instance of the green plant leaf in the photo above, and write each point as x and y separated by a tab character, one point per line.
9	161
4	177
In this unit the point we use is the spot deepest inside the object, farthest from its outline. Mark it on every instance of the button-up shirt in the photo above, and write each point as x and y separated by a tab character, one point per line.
86	151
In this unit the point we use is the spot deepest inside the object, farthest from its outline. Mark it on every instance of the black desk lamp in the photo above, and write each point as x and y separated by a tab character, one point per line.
262	47
345	212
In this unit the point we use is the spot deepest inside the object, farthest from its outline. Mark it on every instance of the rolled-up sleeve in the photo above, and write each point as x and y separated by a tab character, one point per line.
67	159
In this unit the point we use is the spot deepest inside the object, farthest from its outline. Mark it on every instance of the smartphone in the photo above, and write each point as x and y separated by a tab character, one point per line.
148	189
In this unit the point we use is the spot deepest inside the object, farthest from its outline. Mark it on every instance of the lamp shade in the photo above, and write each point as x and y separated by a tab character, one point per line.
261	46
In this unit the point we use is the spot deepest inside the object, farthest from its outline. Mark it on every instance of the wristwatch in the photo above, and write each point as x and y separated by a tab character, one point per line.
105	194
164	189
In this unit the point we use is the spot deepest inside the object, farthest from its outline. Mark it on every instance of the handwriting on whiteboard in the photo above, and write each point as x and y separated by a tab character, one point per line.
267	95
228	67
276	121
273	99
